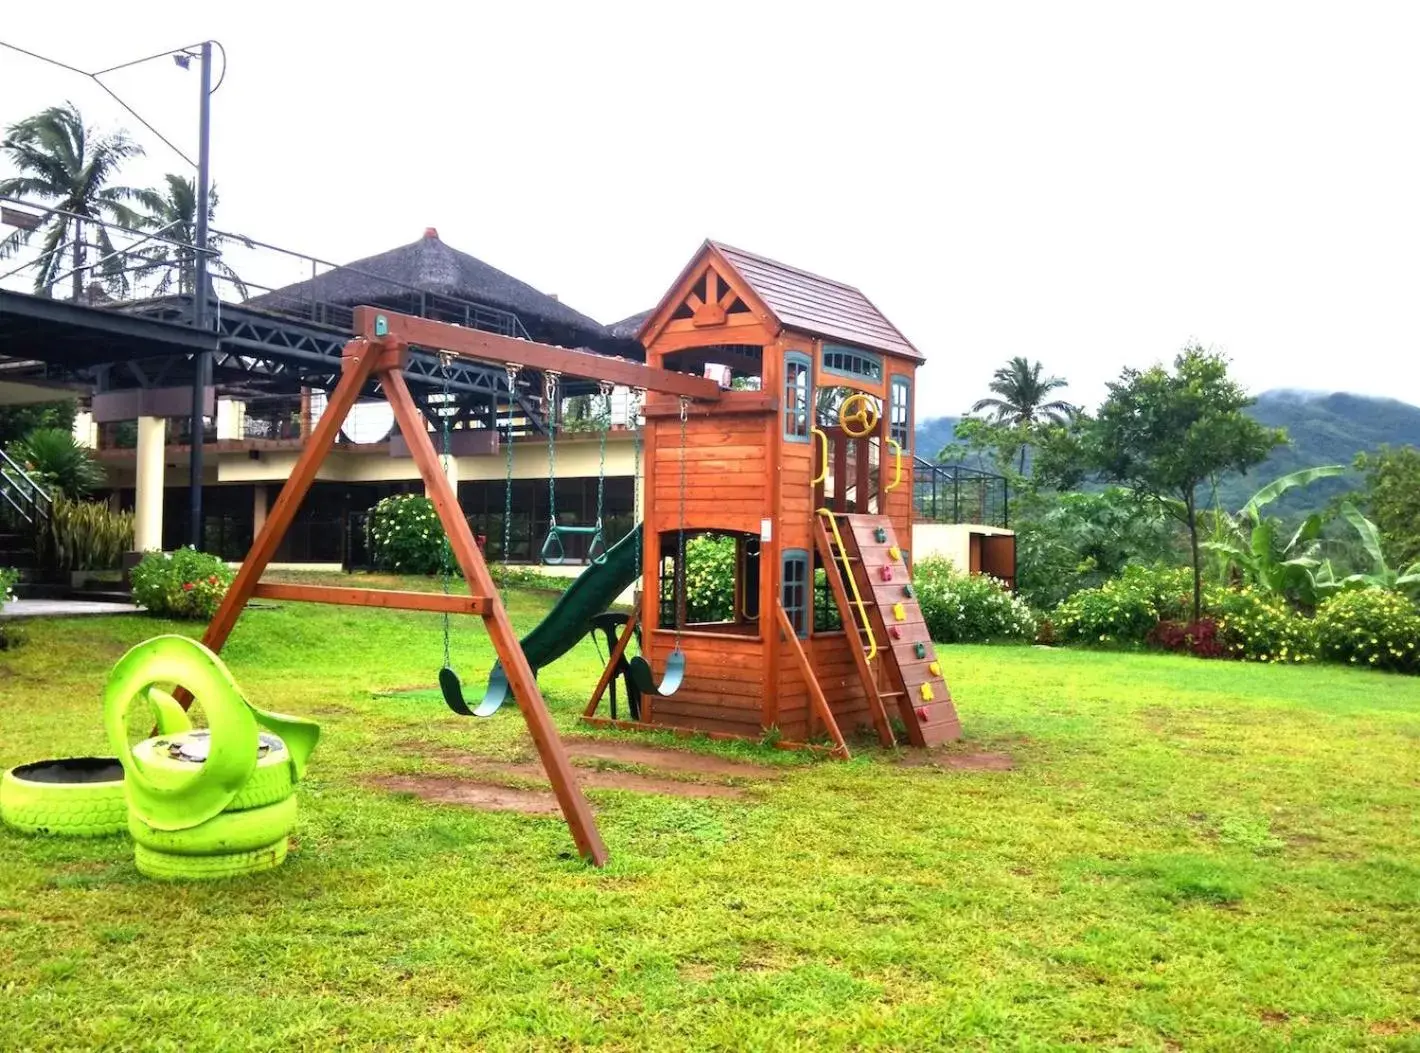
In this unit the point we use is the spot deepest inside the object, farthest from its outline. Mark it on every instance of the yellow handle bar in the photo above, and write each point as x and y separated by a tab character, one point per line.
823	471
897	465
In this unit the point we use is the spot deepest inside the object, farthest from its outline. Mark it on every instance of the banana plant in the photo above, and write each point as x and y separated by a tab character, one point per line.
1381	576
1250	543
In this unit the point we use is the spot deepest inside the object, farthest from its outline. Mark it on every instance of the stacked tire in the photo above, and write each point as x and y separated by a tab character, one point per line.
248	836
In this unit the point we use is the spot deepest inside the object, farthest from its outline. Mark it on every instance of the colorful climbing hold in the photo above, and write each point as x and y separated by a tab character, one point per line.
898	613
922	714
895	554
920	649
907	591
885	572
935	669
880	535
895	632
927	695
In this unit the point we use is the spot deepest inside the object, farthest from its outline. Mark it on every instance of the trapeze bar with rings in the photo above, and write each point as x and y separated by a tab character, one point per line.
554	551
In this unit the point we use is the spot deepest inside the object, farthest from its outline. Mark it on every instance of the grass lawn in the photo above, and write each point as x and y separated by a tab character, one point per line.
1184	855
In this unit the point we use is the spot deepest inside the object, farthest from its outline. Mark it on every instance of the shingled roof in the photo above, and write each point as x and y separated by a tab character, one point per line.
817	305
431	266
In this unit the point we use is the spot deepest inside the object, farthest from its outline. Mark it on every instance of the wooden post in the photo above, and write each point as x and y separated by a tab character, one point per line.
358	363
820	704
575	808
610	670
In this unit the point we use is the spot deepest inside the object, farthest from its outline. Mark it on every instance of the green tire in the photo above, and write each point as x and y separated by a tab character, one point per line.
227	834
72	797
167	867
270	781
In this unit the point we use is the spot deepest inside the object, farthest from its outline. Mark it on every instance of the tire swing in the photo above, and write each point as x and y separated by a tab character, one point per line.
553	551
641	672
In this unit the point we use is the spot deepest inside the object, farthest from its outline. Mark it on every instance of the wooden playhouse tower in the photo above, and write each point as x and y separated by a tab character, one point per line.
806	464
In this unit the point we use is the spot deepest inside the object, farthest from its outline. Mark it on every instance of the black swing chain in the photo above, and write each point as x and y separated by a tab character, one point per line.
606	389
680	561
512	369
445	572
551	414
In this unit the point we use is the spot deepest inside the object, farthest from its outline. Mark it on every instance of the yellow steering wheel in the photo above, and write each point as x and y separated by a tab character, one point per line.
858	415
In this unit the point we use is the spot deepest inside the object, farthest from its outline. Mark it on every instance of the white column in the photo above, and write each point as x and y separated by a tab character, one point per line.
451	472
258	508
229	419
86	432
148	485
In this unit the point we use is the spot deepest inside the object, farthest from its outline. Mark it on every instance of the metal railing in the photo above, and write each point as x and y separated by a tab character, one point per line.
954	493
22	498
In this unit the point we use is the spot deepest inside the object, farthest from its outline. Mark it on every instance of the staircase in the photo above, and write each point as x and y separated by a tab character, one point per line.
899	668
24	516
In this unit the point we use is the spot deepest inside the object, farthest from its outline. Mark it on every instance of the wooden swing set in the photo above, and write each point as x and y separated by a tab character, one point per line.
378	354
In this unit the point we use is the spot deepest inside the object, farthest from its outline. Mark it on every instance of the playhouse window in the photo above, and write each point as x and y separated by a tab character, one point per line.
718	589
798	383
899	409
850	362
796	589
826	616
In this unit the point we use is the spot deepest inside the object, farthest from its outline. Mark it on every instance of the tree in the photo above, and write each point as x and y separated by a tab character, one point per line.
1252	544
68	166
1022	404
1164	434
174	217
1392	498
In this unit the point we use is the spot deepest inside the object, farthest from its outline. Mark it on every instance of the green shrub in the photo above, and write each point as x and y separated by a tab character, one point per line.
1257	626
185	584
710	578
8	578
87	535
57	461
1370	627
1112	614
969	608
1125	610
405	536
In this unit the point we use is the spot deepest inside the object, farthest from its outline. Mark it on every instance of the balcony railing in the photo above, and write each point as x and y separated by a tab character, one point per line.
954	493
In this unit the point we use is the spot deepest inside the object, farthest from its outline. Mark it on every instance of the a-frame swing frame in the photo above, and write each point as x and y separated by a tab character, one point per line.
379	353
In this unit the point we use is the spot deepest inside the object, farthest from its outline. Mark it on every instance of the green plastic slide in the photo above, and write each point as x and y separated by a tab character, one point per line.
590	594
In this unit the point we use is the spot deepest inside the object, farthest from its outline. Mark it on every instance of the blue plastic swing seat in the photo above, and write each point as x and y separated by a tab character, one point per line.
554	553
645	678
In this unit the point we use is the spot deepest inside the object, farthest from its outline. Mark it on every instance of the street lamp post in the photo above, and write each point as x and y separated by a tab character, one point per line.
200	363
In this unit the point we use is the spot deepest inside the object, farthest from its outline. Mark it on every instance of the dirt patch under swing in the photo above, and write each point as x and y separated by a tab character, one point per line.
593	778
484	795
667	759
981	761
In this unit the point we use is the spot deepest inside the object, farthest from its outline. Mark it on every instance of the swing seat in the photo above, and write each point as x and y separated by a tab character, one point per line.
495	694
645	679
555	554
453	692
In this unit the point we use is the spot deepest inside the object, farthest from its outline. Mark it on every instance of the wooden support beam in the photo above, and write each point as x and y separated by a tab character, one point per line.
357	364
806	669
393	599
501	350
610	671
575	808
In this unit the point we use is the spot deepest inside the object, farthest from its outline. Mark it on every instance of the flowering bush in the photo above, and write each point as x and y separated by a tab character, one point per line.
405	536
1370	627
1257	626
7	585
1113	614
185	584
969	608
710	578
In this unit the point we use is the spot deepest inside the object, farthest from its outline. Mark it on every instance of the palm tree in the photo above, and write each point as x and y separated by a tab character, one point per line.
1022	402
64	164
175	216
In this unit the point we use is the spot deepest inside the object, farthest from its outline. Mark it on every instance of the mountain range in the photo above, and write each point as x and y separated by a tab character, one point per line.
1323	429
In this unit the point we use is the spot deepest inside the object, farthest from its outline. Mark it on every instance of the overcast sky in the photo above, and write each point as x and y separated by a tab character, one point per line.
1093	185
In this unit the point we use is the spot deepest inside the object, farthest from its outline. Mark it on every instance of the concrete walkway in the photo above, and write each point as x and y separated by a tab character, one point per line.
63	608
